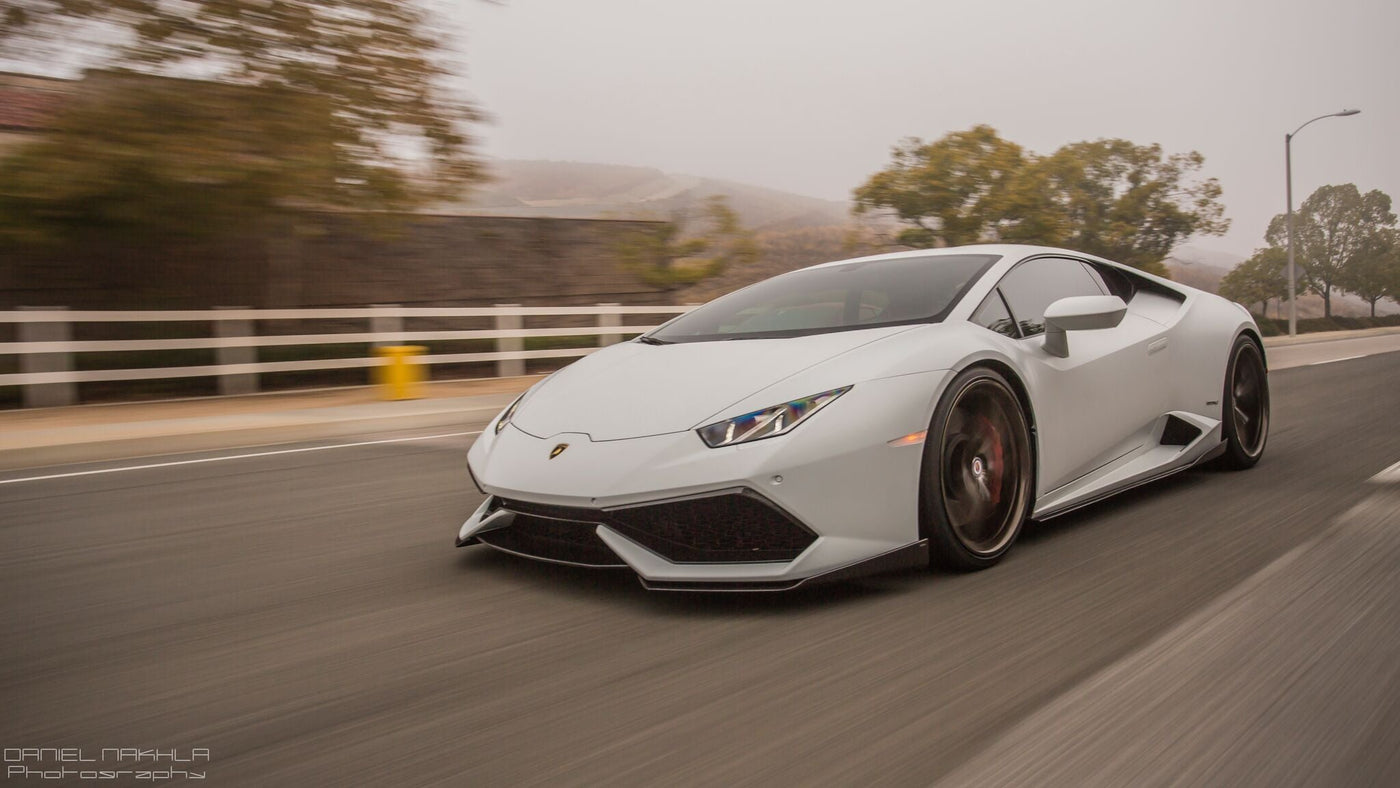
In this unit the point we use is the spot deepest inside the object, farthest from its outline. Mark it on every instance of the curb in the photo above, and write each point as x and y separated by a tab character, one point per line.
1328	336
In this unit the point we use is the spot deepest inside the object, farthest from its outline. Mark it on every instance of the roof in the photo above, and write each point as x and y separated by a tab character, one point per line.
1017	251
1012	254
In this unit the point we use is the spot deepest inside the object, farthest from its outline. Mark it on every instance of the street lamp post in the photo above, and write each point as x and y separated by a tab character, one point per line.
1288	174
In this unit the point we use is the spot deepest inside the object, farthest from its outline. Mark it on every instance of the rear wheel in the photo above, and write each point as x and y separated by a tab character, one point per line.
977	471
1244	406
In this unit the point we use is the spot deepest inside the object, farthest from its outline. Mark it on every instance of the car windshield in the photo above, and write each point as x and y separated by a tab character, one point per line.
843	297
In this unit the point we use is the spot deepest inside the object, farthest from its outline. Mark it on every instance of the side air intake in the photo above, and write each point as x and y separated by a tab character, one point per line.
1179	432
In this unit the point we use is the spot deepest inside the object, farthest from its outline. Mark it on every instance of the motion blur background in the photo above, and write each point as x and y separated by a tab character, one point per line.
225	197
184	154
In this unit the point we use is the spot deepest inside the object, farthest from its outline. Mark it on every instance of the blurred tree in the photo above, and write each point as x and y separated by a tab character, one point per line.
135	159
1126	202
952	191
689	248
1331	230
1374	273
1258	280
298	104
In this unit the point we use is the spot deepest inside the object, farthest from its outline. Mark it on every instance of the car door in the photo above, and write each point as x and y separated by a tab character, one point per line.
1101	402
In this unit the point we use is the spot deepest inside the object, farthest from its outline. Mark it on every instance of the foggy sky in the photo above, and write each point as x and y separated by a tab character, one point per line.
809	95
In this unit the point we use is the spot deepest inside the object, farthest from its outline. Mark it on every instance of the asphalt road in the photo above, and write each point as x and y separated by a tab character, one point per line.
305	618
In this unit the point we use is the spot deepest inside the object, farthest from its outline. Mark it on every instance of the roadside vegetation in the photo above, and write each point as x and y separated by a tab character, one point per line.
1109	197
1273	327
1343	241
205	116
692	245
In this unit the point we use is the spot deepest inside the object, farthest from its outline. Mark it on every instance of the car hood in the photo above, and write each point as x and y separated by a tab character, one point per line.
632	390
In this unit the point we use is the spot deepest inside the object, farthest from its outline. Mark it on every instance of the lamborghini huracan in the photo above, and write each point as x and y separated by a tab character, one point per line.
869	414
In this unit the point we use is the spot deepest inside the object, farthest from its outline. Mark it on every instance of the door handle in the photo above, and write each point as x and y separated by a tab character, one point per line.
1160	344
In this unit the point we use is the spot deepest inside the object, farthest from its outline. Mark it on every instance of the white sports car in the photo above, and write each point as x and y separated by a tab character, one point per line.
868	414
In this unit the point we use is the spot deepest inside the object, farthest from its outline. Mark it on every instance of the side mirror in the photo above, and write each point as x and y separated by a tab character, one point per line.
1079	313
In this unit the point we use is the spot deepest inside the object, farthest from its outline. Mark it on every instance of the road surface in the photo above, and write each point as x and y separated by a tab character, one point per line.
300	613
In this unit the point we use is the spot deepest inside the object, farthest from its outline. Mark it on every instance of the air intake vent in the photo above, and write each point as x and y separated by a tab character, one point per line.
1179	432
732	527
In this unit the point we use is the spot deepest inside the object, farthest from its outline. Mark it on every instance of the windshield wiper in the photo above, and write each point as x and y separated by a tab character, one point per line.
646	340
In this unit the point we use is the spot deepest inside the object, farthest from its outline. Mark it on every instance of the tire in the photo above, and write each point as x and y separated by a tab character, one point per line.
1244	406
976	483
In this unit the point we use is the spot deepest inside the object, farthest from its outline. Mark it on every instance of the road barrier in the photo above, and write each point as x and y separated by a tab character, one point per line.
46	346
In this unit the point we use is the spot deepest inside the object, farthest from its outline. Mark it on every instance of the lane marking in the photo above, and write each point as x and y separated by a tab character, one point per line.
1335	360
234	457
1390	475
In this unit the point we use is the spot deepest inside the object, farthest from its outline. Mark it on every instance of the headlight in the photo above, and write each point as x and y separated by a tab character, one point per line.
504	418
766	423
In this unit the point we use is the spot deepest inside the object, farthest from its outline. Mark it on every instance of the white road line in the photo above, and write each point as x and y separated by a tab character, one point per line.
1335	360
234	457
1390	475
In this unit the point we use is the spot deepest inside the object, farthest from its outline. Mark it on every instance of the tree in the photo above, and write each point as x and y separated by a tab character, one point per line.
1127	202
953	191
1374	272
1331	229
299	104
1258	280
689	247
134	159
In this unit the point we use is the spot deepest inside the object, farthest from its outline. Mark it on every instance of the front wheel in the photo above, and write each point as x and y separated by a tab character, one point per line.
977	472
1244	406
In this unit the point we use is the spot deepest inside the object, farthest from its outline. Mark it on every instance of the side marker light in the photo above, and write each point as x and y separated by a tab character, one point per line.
912	439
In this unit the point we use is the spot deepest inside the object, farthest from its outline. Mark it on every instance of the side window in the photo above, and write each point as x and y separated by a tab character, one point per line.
992	314
1115	282
1098	279
1034	285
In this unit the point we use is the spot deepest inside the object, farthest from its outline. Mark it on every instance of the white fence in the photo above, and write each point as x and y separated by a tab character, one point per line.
46	347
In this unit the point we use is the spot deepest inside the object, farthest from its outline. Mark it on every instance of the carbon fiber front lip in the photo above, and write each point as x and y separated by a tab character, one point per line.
559	561
908	557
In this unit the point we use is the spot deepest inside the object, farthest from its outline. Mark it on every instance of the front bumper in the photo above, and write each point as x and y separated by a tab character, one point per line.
659	542
830	500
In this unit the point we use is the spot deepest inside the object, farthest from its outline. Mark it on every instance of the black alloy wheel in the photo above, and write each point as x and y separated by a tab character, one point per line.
1245	406
976	484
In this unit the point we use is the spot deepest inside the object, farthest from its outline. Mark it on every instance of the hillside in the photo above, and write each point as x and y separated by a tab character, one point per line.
1201	268
578	190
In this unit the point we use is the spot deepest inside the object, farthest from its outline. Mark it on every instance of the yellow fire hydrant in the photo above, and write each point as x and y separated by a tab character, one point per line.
399	375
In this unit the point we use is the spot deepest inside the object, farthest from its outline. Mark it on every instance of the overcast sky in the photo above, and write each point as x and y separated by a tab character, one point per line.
809	95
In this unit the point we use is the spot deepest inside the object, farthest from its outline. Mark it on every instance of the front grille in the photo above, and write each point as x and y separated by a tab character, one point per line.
732	527
568	541
737	526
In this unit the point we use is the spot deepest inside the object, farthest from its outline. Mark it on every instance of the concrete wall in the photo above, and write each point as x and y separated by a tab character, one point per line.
342	261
